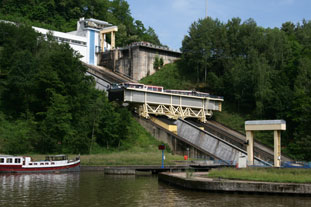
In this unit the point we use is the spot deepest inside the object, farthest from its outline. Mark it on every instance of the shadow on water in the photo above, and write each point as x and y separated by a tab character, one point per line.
92	189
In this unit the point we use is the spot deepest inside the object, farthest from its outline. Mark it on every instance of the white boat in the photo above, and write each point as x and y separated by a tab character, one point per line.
52	163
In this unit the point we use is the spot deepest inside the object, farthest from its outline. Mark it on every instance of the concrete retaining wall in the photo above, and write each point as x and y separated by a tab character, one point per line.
136	61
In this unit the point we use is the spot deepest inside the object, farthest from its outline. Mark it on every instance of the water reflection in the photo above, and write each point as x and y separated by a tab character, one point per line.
36	189
92	189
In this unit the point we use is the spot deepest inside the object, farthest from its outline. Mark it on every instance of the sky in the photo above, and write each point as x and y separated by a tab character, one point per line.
171	19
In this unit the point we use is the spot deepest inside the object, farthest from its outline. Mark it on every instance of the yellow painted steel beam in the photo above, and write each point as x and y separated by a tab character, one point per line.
169	127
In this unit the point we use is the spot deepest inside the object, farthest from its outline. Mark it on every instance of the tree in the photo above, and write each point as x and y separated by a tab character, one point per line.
158	62
264	73
63	15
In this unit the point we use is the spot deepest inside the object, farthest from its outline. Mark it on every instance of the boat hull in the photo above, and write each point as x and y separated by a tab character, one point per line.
20	169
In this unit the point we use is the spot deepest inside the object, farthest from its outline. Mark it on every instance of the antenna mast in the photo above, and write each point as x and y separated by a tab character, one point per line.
206	8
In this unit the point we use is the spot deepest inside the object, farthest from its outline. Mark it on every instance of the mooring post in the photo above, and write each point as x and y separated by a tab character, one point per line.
162	147
162	159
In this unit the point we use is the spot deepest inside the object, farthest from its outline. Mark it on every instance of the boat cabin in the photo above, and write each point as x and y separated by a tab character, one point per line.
56	158
7	159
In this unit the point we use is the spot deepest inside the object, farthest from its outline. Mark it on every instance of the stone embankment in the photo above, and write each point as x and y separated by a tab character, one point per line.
200	181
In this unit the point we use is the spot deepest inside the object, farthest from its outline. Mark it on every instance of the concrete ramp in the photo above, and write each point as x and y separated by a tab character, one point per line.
212	144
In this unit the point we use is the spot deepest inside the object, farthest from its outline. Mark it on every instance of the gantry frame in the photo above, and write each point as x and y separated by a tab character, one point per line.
264	125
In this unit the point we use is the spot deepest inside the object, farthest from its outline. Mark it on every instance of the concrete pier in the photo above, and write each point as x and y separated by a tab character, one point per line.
199	181
133	169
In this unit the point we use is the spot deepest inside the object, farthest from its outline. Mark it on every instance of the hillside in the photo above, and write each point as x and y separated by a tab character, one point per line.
262	74
63	16
48	105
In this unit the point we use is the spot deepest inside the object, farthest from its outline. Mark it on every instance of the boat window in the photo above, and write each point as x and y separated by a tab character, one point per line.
30	163
52	163
46	163
17	160
41	163
9	160
35	163
1	160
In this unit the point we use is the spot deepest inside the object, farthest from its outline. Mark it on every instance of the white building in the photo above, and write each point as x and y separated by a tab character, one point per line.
89	39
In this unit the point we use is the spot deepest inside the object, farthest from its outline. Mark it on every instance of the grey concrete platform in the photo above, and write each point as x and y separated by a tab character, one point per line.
199	182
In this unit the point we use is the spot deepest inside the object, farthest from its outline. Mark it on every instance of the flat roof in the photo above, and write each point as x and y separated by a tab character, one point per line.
97	21
266	122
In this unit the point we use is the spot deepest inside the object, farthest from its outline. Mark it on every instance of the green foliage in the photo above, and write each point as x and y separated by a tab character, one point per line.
169	77
49	105
158	63
63	15
264	73
17	136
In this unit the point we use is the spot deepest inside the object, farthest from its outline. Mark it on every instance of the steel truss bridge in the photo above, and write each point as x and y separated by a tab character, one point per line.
169	104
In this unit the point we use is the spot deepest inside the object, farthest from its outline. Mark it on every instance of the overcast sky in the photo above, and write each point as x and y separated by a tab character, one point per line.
171	19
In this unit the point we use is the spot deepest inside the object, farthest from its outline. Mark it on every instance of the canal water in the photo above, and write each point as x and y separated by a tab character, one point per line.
92	189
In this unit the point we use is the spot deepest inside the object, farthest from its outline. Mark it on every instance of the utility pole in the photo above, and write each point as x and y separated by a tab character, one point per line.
206	8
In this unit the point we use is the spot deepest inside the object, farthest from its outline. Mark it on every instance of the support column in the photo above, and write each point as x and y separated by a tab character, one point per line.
250	147
102	42
113	41
277	148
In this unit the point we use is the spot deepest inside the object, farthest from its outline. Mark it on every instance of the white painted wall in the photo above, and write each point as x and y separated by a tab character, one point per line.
78	43
81	44
79	40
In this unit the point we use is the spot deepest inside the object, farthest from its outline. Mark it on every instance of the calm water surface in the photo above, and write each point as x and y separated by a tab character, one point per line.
92	189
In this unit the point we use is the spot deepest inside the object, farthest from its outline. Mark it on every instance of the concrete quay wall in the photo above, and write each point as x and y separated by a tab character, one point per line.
135	169
208	184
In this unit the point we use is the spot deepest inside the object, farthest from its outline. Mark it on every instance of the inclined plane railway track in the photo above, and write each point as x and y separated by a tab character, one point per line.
238	139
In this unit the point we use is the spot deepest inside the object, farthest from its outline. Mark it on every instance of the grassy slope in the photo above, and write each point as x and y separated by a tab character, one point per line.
168	77
263	174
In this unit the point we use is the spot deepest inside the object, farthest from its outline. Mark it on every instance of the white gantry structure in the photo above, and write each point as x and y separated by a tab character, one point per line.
263	125
171	103
89	39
